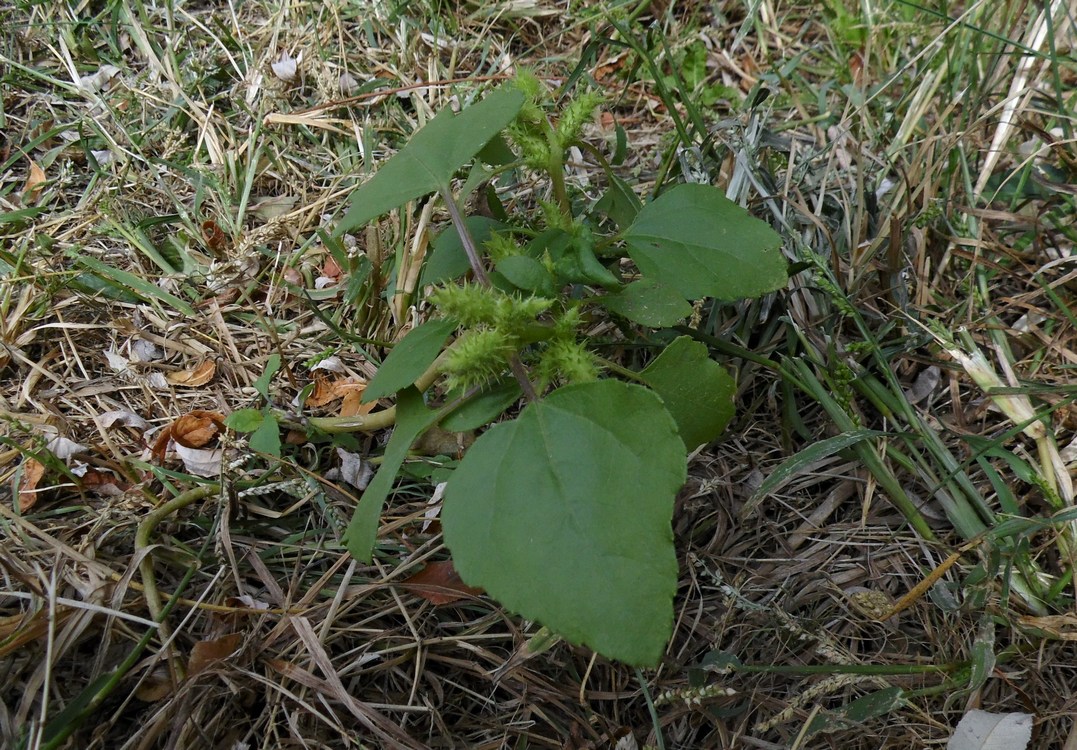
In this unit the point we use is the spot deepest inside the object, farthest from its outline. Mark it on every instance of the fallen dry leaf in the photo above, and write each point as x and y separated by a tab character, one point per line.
198	429
123	417
201	462
194	378
214	237
35	182
206	653
439	583
32	472
103	483
193	428
155	687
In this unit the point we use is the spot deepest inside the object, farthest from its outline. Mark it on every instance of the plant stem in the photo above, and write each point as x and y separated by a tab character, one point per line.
466	239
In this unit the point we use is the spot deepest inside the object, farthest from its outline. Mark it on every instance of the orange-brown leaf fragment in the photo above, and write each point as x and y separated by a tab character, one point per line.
439	583
194	378
32	472
206	653
197	429
35	182
214	237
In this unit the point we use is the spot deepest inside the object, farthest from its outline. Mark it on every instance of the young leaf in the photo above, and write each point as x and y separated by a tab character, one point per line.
429	160
700	243
262	384
648	303
793	465
484	407
697	391
564	516
524	272
245	420
448	259
266	439
409	359
412	419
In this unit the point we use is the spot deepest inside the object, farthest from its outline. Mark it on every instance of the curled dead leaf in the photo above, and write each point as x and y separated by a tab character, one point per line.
32	472
198	429
194	378
214	237
35	182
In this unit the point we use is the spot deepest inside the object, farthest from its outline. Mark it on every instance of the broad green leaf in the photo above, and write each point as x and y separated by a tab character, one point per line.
266	439
409	359
484	407
524	272
432	156
793	465
245	420
700	243
697	391
564	516
448	260
412	419
648	303
262	384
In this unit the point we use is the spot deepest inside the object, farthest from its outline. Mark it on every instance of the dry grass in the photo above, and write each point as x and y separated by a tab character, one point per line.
177	218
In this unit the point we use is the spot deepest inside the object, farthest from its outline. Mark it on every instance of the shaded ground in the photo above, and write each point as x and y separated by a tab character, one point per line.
158	219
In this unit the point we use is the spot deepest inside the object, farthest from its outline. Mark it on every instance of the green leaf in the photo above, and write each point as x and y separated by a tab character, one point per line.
245	420
262	384
412	419
864	708
266	439
429	160
564	516
700	243
574	260
448	260
484	407
409	359
524	272
793	465
697	391
145	290
619	202
648	303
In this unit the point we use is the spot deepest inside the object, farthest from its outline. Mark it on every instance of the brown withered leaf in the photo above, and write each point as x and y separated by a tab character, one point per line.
198	428
194	378
214	237
206	653
32	472
103	483
353	406
439	583
155	686
35	182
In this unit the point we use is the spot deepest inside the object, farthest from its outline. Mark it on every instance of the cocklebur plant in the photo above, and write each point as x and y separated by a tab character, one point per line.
562	512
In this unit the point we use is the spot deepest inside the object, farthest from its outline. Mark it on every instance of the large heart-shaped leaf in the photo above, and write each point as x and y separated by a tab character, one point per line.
700	243
432	156
564	516
698	392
